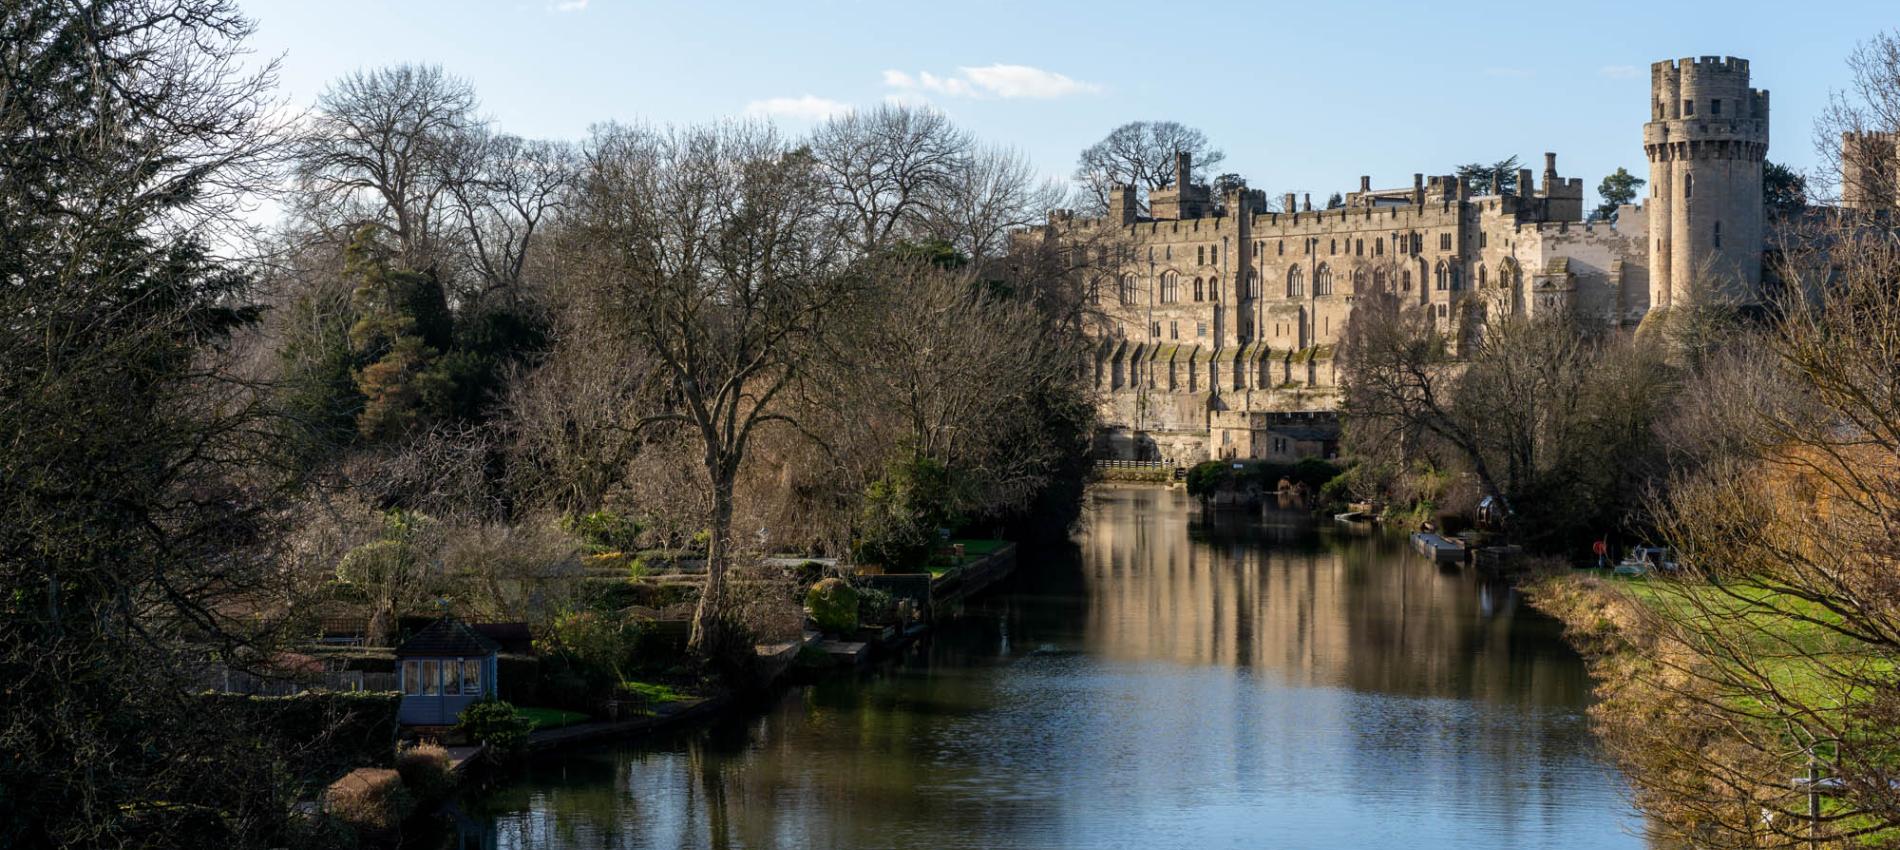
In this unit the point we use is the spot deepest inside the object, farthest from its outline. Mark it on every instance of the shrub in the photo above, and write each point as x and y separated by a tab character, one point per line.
1204	477
371	799
833	605
601	645
902	510
424	768
495	723
875	606
1314	473
604	531
376	563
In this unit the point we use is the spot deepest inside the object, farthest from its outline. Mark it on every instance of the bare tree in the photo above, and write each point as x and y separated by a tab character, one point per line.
991	193
884	168
505	190
1771	658
721	261
575	417
1141	154
1535	408
1856	133
381	148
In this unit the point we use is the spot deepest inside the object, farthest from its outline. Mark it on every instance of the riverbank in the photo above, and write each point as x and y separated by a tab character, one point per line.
1150	684
1682	671
813	657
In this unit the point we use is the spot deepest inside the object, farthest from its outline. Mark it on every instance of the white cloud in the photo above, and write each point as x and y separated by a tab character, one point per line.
806	108
570	6
999	80
1620	72
912	99
1024	81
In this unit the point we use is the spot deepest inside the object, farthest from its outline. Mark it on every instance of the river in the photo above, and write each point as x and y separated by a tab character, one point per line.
1162	682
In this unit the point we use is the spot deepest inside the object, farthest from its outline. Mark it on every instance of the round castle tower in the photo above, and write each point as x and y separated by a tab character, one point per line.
1706	137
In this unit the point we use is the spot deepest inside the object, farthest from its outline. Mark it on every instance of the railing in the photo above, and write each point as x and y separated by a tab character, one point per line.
1135	464
239	682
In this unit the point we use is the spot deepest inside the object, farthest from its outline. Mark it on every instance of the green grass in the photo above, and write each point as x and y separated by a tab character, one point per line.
651	693
1787	641
978	547
550	718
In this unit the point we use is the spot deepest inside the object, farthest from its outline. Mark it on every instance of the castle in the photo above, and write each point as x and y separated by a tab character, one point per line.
1220	318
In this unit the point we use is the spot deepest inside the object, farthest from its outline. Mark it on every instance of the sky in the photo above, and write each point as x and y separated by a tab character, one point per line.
1302	97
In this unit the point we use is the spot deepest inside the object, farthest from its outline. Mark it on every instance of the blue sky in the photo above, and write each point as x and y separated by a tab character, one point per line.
1303	97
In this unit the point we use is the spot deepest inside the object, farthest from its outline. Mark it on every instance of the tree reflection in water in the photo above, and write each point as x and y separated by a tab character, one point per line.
1168	680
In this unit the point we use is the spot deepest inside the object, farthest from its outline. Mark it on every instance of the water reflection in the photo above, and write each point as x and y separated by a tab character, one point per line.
1169	681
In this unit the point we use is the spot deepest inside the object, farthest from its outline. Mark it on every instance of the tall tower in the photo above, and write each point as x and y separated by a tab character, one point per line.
1706	136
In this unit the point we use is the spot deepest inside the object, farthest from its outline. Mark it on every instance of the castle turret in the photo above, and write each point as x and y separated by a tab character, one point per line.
1182	200
1706	137
1124	206
1870	170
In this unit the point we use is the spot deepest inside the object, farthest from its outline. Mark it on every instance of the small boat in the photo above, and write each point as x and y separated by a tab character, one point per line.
1644	560
1438	548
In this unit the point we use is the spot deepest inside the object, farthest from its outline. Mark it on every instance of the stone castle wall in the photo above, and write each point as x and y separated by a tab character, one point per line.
1215	306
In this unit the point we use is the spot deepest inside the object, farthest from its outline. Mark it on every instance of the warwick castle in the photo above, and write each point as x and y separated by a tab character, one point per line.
1221	318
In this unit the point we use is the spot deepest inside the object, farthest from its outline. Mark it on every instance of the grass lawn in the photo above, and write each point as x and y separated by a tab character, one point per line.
1784	639
651	693
973	549
550	718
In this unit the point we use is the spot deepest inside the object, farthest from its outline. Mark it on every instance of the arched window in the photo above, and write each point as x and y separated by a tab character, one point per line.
1197	289
1688	186
1483	281
1169	288
1323	280
1200	255
1378	247
1358	281
1095	292
1405	279
1438	277
1295	283
1378	280
1128	291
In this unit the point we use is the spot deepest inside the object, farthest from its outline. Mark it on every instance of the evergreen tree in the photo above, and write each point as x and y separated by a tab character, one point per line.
402	329
125	128
1617	189
1784	193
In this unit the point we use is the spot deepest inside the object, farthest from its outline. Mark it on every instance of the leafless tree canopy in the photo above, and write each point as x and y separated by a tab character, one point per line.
723	268
383	148
1868	108
1140	154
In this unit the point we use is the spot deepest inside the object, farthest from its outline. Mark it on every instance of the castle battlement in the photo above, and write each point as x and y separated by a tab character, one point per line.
1214	309
1702	64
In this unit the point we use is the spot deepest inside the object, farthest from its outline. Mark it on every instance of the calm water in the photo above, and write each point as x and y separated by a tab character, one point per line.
1163	683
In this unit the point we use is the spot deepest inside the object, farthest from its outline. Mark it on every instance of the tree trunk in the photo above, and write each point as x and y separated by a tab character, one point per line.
709	627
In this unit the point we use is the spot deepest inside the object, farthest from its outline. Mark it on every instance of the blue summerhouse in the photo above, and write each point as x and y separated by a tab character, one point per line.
444	668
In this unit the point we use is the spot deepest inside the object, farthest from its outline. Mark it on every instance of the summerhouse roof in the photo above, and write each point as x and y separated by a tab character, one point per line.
447	638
